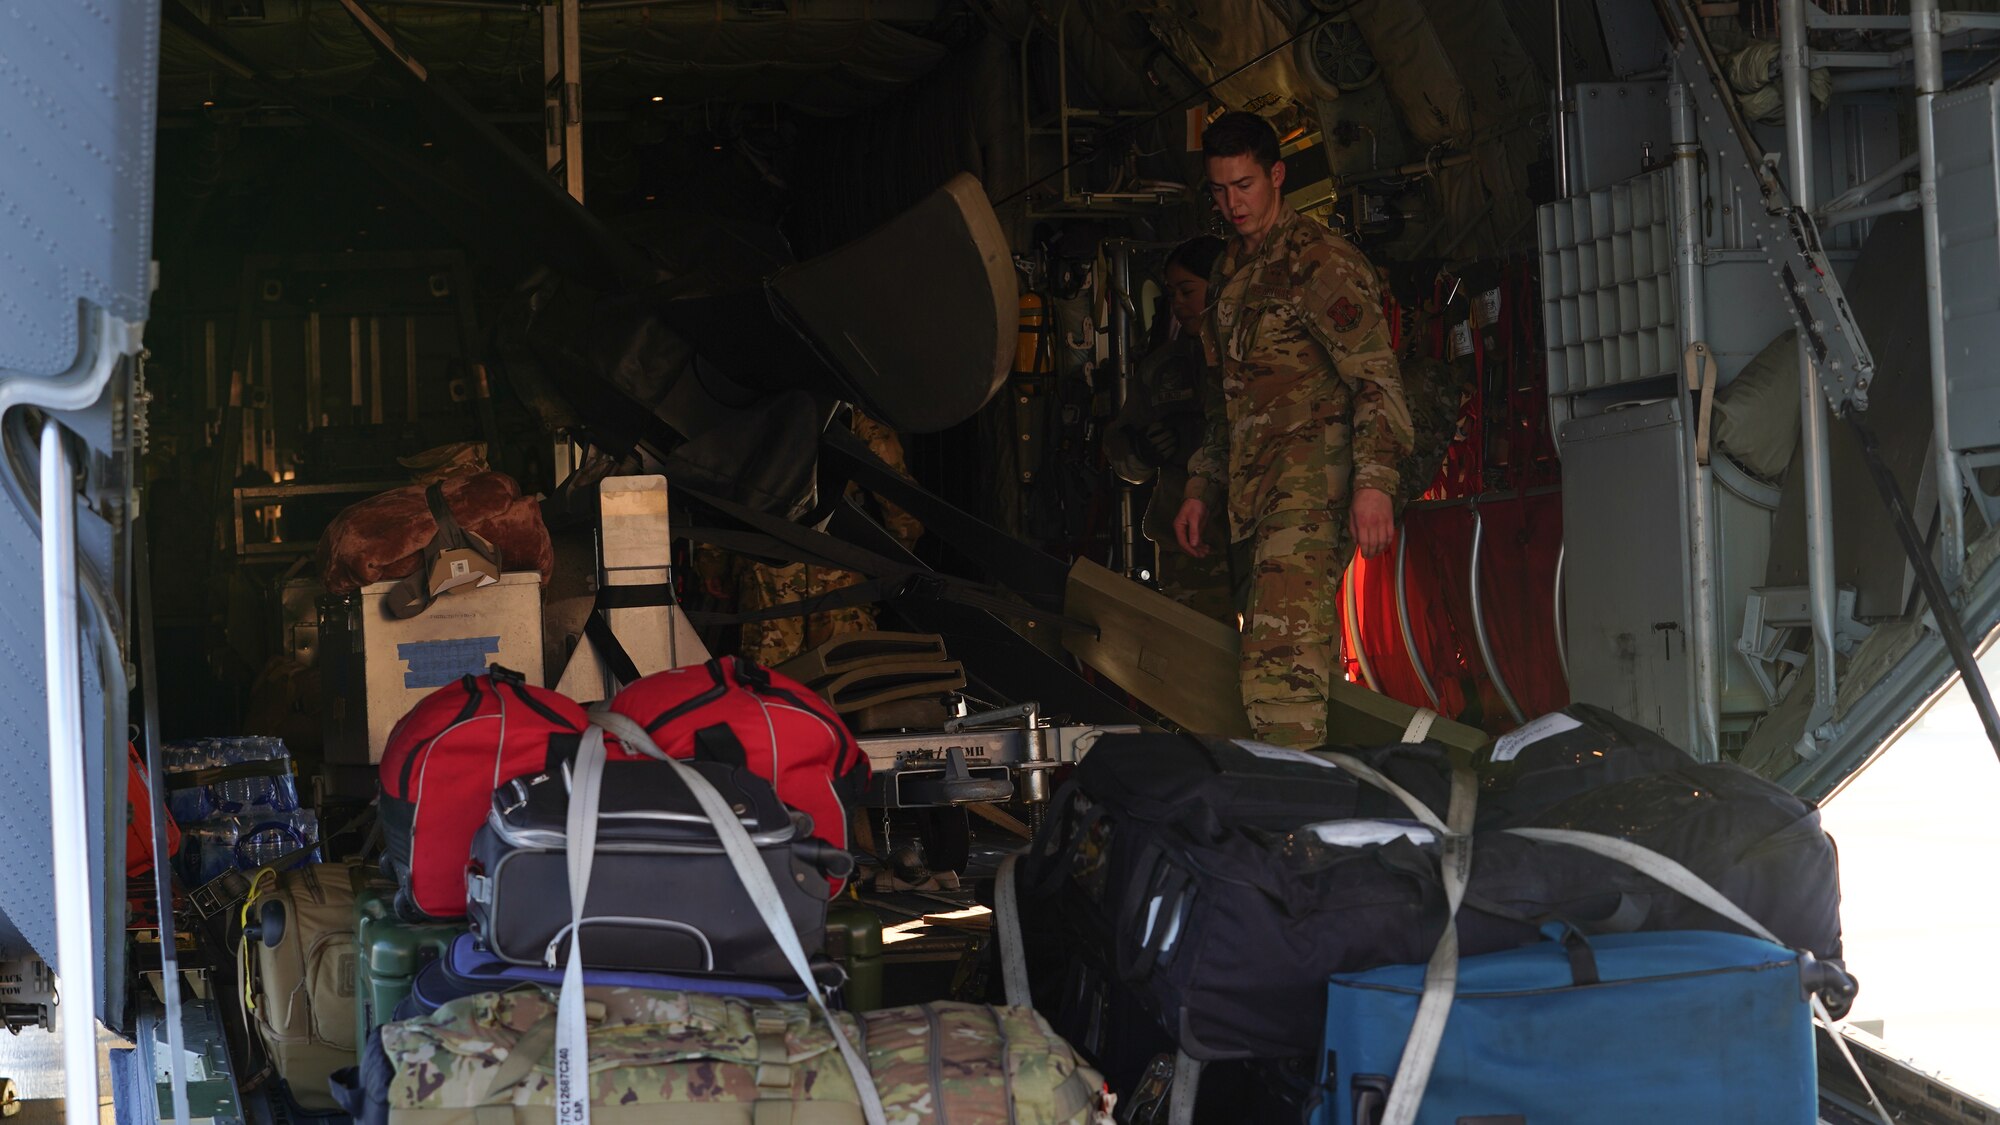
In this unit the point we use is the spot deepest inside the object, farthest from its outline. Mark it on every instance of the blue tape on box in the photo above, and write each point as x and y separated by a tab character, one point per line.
437	663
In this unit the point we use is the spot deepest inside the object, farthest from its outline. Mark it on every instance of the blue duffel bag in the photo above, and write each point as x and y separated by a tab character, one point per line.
1665	1027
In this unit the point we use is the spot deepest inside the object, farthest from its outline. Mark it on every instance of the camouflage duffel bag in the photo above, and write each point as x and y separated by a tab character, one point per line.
702	1059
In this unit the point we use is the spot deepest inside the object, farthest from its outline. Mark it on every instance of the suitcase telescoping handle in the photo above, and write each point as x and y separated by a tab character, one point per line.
756	879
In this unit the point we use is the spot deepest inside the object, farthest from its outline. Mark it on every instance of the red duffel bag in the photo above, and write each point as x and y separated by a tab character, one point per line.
383	537
790	736
139	818
441	766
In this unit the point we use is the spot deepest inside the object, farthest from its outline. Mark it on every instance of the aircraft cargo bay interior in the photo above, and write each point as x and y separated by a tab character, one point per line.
1059	562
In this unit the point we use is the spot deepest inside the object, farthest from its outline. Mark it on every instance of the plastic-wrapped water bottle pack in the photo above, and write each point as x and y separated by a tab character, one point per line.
248	817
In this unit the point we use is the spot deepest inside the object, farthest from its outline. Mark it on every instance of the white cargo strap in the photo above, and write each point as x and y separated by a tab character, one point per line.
1007	924
572	1062
756	879
1413	1073
1184	1090
1420	725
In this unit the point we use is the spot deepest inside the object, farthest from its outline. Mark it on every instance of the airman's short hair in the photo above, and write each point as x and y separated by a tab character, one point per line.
1236	134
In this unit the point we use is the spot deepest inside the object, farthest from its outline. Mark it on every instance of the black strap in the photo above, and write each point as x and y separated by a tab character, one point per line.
196	778
752	543
719	744
790	539
912	584
515	683
1582	958
852	781
1951	629
449	534
562	748
718	687
412	595
649	596
597	626
851	784
1035	573
598	631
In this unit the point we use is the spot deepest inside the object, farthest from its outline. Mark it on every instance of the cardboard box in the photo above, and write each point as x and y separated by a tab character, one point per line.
378	667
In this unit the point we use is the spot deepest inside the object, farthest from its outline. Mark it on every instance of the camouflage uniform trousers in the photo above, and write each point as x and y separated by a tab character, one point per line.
771	643
1289	573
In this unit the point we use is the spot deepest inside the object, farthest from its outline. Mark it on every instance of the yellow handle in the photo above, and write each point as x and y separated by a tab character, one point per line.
247	993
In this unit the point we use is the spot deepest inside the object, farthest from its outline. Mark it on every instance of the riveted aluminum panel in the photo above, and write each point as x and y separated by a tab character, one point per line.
1968	194
76	172
1625	571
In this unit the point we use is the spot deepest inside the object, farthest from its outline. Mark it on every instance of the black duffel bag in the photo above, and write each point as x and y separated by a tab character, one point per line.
1576	750
1751	839
1167	777
1182	876
1585	769
1228	937
1070	888
663	896
1224	927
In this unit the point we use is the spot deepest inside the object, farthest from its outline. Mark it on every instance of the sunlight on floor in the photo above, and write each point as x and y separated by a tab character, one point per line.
33	1059
914	928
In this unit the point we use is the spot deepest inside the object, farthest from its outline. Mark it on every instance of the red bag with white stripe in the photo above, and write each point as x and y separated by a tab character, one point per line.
443	762
790	736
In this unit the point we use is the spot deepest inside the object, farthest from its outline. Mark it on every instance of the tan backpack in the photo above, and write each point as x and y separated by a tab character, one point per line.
297	960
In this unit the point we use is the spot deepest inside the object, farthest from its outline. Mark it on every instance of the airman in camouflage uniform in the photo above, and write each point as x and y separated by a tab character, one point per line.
761	586
1314	425
1159	427
652	1050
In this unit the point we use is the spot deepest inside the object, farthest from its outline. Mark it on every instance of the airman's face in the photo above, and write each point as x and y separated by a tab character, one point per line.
1248	194
1187	296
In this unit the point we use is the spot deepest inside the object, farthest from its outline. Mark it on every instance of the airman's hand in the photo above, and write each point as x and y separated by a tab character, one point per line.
1373	520
1187	527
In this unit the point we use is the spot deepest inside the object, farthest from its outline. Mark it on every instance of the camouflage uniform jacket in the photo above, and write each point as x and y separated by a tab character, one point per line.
1172	385
1312	397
